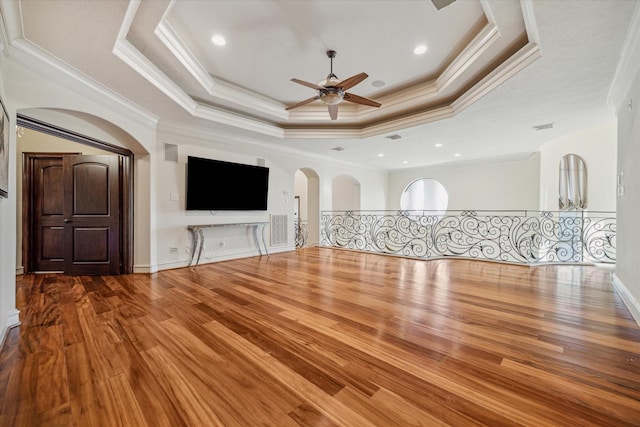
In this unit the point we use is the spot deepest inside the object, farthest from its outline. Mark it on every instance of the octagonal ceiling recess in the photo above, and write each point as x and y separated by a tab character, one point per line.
473	47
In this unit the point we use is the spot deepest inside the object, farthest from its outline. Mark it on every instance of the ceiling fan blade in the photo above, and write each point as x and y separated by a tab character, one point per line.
333	111
306	101
360	100
307	84
352	81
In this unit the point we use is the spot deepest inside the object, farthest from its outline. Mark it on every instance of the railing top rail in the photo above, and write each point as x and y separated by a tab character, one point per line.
477	211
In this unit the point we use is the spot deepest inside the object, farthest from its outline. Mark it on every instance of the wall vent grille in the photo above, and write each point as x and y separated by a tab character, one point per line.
279	230
439	4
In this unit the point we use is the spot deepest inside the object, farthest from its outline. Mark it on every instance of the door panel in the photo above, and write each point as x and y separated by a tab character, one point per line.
91	244
48	214
92	215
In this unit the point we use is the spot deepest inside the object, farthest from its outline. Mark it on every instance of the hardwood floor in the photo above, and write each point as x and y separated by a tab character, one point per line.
323	337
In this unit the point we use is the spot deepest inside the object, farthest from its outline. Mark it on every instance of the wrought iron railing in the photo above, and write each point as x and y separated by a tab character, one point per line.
301	233
529	237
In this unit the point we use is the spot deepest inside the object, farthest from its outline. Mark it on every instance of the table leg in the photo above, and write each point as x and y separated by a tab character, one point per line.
264	242
255	238
201	241
194	243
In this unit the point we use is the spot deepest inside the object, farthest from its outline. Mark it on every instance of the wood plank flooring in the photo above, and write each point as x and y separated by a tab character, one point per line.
323	337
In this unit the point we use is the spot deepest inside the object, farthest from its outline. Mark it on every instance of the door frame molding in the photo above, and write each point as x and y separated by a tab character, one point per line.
126	181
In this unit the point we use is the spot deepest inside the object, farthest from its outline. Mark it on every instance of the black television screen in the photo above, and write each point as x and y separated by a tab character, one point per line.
214	185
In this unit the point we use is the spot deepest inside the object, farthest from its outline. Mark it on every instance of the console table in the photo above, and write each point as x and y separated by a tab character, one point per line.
197	236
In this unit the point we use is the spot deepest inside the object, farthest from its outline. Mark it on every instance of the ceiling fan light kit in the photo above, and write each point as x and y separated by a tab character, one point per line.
332	91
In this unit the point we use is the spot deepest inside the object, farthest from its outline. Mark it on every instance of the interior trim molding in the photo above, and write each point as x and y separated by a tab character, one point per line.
628	299
13	320
131	56
27	54
49	129
126	175
145	269
310	121
222	90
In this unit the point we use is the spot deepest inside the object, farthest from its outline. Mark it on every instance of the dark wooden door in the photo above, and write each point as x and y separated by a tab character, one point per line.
48	214
91	215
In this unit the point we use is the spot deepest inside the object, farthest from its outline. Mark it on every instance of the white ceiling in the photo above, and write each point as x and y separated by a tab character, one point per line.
493	69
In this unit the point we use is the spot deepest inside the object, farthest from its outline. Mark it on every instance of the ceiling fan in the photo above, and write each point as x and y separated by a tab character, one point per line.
333	91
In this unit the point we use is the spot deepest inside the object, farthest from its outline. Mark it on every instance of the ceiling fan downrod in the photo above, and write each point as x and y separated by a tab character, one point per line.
331	54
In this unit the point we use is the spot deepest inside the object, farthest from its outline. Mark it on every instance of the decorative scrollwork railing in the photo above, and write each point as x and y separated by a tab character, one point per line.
528	237
301	233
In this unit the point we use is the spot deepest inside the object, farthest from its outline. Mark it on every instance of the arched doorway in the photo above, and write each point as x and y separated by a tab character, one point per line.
98	240
307	193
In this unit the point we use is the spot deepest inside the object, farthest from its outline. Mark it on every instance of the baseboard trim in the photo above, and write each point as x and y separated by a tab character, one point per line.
13	320
627	298
145	269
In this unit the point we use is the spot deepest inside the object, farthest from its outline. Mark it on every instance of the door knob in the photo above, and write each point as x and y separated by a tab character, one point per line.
66	220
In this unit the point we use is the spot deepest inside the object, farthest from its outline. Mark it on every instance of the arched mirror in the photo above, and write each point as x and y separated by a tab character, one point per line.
572	183
424	194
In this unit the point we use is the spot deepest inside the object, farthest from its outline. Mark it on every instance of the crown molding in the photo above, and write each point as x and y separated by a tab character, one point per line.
411	98
469	55
518	61
521	59
228	140
131	56
235	120
221	90
628	63
32	57
517	157
12	19
530	23
400	108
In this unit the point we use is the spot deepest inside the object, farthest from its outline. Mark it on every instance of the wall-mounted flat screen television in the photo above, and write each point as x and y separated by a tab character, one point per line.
215	185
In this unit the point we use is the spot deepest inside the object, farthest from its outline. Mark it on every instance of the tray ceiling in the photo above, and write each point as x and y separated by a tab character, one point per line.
160	57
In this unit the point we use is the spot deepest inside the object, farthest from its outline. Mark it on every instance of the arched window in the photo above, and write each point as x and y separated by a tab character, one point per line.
424	194
572	185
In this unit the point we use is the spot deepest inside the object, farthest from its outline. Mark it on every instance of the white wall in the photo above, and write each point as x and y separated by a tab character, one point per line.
172	219
492	185
345	193
9	315
628	211
597	147
300	186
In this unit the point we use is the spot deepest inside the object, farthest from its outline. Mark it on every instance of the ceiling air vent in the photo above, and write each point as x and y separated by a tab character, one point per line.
338	149
544	126
393	137
439	4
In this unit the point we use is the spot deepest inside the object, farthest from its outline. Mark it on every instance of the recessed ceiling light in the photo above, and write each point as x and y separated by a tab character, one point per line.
378	83
438	145
218	40
420	49
457	155
394	136
404	162
381	155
